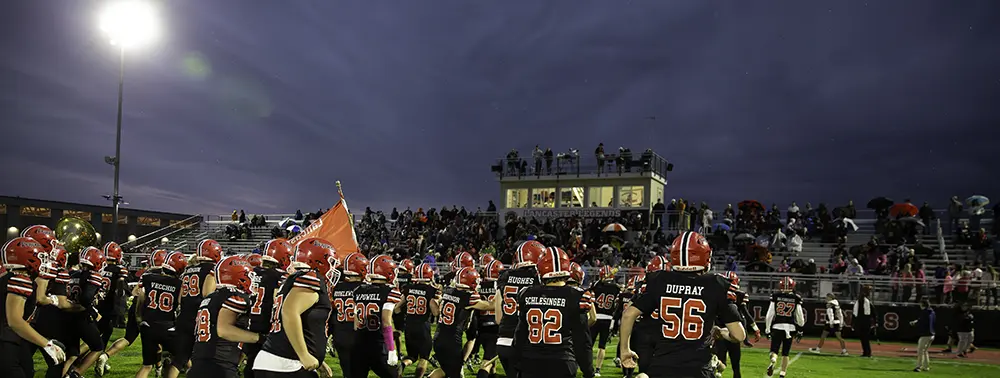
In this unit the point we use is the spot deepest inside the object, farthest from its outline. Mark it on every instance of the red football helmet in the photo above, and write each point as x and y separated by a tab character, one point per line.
528	253
382	268
406	265
254	259
606	273
42	234
93	258
553	263
176	262
209	250
576	273
278	251
485	260
23	253
786	284
463	260
636	280
731	277
492	271
690	253
318	254
467	278
657	263
58	257
113	252
423	273
356	264
158	258
236	273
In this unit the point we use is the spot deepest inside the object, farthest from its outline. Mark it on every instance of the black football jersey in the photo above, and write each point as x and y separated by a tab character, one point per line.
548	318
162	293
314	319
487	292
57	287
588	297
418	304
508	286
606	295
683	307
113	285
208	345
369	301
82	289
785	306
454	317
192	281
268	280
19	285
342	318
402	282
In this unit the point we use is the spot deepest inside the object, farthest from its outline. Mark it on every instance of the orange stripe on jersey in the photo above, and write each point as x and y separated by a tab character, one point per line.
394	296
474	298
235	304
731	295
19	288
309	281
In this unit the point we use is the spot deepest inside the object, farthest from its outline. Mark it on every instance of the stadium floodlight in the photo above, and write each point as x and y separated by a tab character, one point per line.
127	23
130	23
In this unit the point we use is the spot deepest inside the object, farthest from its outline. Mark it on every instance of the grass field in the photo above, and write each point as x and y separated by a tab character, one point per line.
891	361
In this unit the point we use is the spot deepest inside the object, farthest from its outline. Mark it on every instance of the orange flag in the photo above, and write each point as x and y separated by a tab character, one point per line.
335	226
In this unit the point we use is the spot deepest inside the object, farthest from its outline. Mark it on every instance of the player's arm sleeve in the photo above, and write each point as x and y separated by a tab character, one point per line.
644	302
770	316
309	281
392	299
20	286
748	318
89	291
829	315
521	332
800	317
235	304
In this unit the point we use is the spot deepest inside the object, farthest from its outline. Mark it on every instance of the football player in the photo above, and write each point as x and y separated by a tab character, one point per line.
724	347
50	313
548	318
471	355
511	283
197	281
785	317
355	268
296	345
834	321
374	306
585	347
624	300
131	326
463	260
643	339
404	272
222	320
422	303
112	306
488	327
276	257
605	293
458	303
156	299
685	304
22	260
83	289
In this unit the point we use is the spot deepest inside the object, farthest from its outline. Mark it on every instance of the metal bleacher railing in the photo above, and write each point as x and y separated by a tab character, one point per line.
568	164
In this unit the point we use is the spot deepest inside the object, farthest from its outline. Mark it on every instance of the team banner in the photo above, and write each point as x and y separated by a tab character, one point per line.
335	226
894	321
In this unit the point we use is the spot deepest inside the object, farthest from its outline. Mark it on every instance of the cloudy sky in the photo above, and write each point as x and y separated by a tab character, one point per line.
263	105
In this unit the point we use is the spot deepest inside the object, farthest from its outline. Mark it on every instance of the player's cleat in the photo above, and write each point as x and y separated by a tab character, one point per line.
770	369
916	370
433	361
972	349
618	362
843	352
597	372
815	350
101	367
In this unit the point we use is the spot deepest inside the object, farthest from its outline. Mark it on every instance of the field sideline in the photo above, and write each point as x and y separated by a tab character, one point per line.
891	361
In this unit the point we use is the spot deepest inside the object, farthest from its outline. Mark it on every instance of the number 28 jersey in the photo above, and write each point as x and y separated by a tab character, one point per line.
419	296
685	306
548	318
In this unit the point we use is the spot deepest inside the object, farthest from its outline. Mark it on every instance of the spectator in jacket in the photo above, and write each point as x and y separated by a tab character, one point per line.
865	319
925	331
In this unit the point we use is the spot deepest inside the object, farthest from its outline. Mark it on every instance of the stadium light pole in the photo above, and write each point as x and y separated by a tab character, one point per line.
127	24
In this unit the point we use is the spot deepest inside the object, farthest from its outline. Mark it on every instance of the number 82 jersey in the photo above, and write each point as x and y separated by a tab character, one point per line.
548	319
685	306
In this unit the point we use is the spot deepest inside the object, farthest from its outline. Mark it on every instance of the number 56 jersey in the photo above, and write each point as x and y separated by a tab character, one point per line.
685	306
548	319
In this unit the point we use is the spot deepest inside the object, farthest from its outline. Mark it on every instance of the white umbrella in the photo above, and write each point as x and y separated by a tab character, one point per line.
615	227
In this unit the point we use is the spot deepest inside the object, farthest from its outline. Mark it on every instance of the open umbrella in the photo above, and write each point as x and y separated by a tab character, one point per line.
722	226
614	227
750	205
880	203
742	237
294	229
977	201
903	210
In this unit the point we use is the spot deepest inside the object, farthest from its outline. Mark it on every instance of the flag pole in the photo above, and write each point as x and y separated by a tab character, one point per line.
340	191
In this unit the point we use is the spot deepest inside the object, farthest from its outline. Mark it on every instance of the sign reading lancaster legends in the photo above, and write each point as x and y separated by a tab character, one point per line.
571	212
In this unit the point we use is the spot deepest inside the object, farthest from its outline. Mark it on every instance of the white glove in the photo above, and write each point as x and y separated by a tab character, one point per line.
54	299
393	359
54	354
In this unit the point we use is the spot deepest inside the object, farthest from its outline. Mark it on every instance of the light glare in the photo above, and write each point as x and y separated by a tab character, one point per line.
129	23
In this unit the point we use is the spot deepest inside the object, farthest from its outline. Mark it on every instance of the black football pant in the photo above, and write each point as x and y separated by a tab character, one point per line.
106	327
724	347
548	369
250	351
51	330
344	345
585	359
449	357
202	368
509	359
371	356
301	373
15	360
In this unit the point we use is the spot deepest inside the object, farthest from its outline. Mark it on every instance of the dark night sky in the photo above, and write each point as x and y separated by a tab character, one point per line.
262	105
